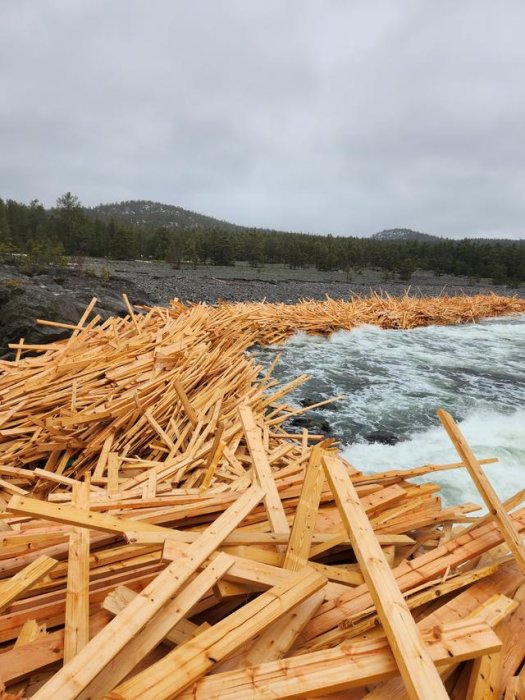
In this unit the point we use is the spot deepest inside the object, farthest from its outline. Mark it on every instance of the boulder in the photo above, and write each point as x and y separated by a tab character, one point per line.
314	424
385	437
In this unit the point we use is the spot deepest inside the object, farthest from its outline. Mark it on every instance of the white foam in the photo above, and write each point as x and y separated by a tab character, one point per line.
489	434
395	380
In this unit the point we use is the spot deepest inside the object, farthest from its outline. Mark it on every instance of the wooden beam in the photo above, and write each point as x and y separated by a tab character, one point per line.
346	666
274	507
76	631
182	666
71	515
160	627
75	676
415	665
298	550
20	582
494	505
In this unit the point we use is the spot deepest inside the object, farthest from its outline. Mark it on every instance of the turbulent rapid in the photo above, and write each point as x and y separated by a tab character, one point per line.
395	380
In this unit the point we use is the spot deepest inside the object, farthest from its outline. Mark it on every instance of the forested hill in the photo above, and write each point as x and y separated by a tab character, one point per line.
404	234
144	213
31	233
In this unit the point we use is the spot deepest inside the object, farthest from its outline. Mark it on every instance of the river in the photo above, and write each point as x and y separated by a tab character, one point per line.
395	380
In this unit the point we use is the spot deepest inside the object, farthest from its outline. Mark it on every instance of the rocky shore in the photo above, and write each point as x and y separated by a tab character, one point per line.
61	294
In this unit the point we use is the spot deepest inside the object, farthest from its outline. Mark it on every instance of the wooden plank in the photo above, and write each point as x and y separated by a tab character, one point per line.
342	668
484	676
415	665
513	649
182	666
485	488
425	567
70	515
44	651
75	676
274	507
76	631
117	600
190	411
30	631
161	626
298	550
23	580
277	639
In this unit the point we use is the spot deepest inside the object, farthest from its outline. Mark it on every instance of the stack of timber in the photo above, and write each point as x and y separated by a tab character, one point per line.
163	535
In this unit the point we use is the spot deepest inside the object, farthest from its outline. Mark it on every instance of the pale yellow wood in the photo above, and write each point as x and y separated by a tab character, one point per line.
89	663
274	507
23	580
76	630
161	626
113	467
117	600
342	668
485	488
298	550
30	631
415	665
190	411
88	519
277	639
184	665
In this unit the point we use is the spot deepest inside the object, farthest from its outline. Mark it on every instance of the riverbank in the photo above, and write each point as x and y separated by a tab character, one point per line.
61	294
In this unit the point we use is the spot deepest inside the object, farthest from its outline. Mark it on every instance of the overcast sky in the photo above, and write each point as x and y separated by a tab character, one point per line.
342	116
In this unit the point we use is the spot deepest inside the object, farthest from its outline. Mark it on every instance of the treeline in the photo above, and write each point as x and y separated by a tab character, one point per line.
68	229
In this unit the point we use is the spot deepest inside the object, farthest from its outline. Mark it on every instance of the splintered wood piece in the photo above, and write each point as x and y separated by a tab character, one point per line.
161	626
25	579
214	457
113	466
415	665
182	631
43	651
485	488
30	631
484	676
183	396
347	666
182	666
298	550
276	640
71	515
76	631
274	507
131	312
75	676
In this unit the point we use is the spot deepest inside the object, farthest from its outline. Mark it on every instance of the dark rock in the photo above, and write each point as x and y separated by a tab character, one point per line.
24	300
313	424
10	289
317	398
18	316
384	437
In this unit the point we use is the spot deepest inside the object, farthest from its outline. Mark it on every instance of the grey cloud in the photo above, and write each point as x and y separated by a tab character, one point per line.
336	116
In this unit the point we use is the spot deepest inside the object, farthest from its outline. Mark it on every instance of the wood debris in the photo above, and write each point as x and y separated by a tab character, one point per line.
164	535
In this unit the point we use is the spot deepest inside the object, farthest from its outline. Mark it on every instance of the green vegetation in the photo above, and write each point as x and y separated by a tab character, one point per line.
132	230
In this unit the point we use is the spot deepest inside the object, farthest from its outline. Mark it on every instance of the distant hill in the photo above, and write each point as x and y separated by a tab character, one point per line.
138	213
404	234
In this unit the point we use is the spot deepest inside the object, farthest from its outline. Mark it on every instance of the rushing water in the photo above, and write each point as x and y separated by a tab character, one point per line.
395	380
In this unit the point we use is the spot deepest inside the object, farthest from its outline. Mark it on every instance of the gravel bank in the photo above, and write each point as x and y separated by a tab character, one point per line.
62	294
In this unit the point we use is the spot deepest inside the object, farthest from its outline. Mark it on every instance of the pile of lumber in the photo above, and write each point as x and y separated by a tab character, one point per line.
164	535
